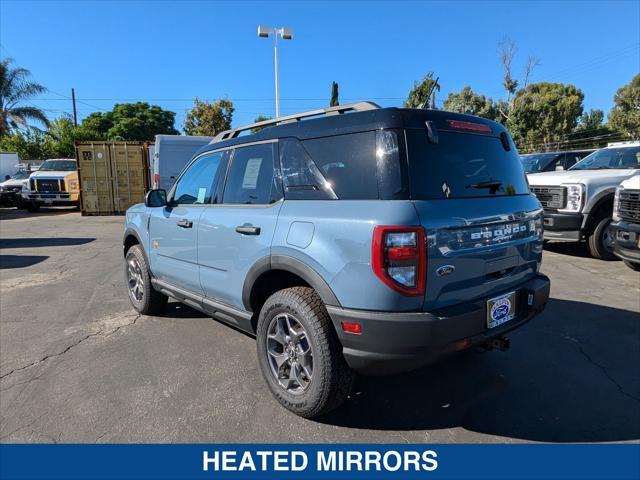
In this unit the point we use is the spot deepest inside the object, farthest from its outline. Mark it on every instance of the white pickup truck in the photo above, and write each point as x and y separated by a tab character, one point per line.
626	222
578	203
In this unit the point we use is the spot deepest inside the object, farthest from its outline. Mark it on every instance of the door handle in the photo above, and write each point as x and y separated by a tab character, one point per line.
184	223
248	229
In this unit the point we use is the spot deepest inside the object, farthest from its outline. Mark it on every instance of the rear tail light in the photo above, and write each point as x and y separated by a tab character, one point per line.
156	180
399	258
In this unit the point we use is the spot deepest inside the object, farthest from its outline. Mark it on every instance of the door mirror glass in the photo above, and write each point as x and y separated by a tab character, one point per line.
156	198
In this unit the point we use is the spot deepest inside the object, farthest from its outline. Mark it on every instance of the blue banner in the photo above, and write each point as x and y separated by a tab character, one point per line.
309	462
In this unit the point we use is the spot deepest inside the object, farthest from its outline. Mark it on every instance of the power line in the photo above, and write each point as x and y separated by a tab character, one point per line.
133	99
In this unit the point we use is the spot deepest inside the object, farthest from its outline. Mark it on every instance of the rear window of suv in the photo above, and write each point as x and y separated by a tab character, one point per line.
462	165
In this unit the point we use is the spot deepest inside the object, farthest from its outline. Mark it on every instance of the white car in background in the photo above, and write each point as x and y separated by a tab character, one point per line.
578	203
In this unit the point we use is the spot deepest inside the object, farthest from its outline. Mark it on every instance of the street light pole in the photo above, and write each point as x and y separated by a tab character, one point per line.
275	65
285	34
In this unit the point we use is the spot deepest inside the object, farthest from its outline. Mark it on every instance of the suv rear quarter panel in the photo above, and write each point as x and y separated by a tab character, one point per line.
338	246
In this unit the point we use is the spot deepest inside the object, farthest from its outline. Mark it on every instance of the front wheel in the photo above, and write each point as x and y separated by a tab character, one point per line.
632	265
300	355
144	298
600	242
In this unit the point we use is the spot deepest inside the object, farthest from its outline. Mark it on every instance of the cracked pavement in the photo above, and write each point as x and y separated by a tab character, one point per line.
77	364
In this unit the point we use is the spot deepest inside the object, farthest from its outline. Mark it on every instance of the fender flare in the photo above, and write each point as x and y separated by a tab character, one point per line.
130	232
605	196
291	265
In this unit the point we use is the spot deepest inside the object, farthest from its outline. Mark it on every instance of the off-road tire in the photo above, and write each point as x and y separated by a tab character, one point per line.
332	379
152	301
632	265
596	241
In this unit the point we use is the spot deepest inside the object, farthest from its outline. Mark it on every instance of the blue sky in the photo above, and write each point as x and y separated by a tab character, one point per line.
169	52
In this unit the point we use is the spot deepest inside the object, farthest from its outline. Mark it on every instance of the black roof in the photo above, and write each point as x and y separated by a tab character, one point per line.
331	125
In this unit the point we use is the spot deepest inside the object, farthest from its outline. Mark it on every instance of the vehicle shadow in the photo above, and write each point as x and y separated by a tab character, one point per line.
20	261
179	310
43	242
573	249
571	376
11	213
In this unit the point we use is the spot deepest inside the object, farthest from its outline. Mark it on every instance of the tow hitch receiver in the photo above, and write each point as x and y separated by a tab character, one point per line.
498	343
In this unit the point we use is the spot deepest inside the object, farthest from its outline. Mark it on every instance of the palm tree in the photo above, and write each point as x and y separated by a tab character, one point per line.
15	90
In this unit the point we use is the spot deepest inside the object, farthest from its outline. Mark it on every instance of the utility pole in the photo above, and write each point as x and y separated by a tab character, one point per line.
73	100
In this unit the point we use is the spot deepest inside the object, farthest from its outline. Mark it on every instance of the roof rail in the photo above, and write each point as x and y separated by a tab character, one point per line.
337	110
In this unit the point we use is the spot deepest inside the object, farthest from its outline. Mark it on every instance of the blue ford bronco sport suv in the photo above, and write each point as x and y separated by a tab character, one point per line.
366	239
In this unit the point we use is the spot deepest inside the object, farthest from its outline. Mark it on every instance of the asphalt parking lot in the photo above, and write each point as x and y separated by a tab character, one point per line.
78	365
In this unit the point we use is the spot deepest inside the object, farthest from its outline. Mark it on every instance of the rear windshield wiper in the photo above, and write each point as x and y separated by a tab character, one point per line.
492	184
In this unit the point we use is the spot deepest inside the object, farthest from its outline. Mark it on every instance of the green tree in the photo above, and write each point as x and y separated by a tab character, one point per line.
209	119
130	121
544	113
334	102
591	120
591	131
29	145
507	52
467	101
15	91
625	114
423	93
259	118
63	134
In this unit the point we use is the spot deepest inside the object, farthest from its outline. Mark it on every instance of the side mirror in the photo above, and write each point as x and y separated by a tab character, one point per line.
559	168
156	198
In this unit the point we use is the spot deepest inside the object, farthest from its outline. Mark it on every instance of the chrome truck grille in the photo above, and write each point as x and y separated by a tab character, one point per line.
629	205
551	198
49	185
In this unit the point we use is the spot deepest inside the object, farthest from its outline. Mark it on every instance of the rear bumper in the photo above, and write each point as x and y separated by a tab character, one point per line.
393	342
627	244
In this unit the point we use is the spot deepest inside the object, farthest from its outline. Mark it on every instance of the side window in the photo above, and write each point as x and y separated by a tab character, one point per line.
558	161
571	160
194	187
301	177
251	178
348	163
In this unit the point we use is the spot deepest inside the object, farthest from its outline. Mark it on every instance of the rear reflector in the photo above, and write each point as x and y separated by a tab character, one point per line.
156	180
462	344
352	327
469	126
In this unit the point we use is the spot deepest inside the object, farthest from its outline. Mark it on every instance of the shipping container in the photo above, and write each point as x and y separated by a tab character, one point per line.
113	176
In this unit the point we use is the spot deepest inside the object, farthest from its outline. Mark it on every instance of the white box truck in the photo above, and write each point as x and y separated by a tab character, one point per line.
169	155
8	164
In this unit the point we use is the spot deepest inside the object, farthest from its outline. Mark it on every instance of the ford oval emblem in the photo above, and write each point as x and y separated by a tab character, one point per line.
445	270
